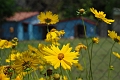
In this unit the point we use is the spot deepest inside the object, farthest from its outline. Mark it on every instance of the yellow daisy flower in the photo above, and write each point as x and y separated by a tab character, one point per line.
53	36
37	52
8	70
63	57
80	46
48	18
3	77
116	54
100	15
65	78
26	62
13	56
79	79
108	21
56	76
5	44
114	36
14	41
95	40
42	78
78	66
81	11
18	78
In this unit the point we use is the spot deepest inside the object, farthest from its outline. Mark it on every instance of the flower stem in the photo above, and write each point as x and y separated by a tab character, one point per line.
47	29
86	43
109	70
84	61
91	62
0	57
61	71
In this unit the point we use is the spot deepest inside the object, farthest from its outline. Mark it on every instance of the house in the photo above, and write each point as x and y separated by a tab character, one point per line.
19	25
25	26
74	27
116	24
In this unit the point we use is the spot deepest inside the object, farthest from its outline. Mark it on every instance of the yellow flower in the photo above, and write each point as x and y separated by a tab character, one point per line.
81	11
14	41
65	78
26	62
79	79
95	40
79	66
5	44
42	78
18	78
12	57
116	54
63	57
41	68
1	69
56	76
108	21
111	67
80	46
53	36
114	36
8	70
37	52
100	15
48	18
3	77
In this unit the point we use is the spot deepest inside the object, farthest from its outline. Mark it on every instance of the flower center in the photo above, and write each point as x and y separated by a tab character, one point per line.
116	40
60	56
26	65
47	20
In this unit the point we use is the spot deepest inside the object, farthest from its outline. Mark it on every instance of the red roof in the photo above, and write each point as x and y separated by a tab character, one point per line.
19	16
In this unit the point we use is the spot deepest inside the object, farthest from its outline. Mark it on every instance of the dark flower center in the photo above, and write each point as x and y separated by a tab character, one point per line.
116	40
26	65
60	56
47	20
8	70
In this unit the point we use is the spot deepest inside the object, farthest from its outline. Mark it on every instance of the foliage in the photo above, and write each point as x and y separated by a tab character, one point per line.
7	8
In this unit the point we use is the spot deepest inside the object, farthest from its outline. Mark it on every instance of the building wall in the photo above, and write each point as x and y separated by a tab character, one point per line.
116	24
69	26
6	33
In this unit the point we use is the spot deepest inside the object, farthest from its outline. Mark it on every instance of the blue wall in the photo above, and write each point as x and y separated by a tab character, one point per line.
19	30
36	32
68	26
6	29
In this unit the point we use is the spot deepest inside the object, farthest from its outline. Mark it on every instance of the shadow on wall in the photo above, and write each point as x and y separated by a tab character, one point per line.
79	31
45	30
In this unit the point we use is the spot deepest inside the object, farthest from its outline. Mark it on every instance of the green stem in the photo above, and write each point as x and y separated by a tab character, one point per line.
28	75
61	71
47	29
86	42
91	62
0	57
84	61
37	78
69	78
10	61
109	72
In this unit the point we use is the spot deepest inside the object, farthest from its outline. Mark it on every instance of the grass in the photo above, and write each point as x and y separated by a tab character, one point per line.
100	60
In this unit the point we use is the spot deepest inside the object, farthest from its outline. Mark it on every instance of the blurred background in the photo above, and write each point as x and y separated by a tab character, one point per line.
18	18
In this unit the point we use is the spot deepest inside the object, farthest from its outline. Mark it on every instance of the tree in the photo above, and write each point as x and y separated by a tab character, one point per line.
7	8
